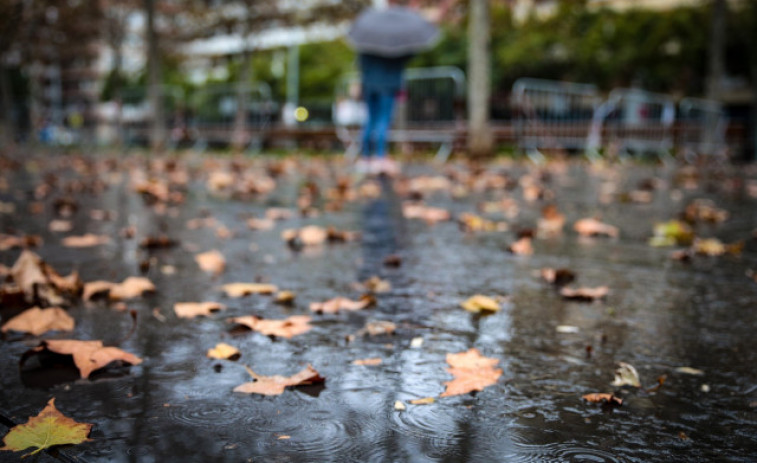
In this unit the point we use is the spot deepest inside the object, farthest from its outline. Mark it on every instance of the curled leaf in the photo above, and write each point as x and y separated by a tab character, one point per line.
244	289
275	385
480	303
626	375
195	309
37	321
223	351
472	372
341	303
286	328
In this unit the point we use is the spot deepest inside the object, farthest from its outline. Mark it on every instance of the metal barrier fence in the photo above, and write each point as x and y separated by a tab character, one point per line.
428	110
552	115
633	121
702	128
213	115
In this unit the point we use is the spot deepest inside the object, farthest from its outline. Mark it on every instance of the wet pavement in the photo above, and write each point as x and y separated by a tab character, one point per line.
178	405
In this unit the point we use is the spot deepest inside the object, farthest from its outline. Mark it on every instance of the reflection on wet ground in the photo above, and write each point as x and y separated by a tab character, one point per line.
178	404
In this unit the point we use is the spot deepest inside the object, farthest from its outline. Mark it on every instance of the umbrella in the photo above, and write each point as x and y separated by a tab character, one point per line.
392	32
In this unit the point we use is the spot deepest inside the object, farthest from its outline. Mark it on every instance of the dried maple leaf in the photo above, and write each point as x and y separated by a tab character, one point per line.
37	321
38	280
85	241
626	375
472	372
88	355
195	309
593	227
557	277
480	303
714	247
223	351
130	288
601	397
371	362
671	233
585	294
522	247
244	289
286	328
341	303
211	262
308	236
46	430
275	385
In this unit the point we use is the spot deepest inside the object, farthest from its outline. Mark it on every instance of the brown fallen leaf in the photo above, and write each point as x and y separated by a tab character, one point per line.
37	321
245	289
474	223
713	247
522	247
593	227
557	277
585	294
601	397
371	362
48	429
423	401
376	285
196	309
60	226
39	281
275	385
130	288
286	328
88	355
308	236
223	351
472	372
26	241
430	215
342	303
479	303
626	375
211	262
85	241
551	222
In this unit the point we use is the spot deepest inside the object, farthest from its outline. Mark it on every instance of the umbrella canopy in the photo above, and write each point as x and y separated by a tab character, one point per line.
392	32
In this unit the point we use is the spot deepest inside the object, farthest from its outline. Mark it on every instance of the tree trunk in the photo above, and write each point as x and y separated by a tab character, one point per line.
154	90
240	137
480	141
716	59
7	129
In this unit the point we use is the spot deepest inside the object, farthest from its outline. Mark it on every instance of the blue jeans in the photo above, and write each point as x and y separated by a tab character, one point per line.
380	106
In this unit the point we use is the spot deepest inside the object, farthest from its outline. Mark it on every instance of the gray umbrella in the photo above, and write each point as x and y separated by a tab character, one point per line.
392	32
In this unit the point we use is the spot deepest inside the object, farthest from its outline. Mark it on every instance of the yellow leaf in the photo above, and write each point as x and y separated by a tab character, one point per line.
480	303
223	351
45	430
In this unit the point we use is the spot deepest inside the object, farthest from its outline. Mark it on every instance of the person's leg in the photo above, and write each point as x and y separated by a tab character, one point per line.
383	121
369	130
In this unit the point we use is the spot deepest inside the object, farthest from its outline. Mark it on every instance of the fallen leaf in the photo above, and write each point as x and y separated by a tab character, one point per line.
130	288
471	371
60	226
522	247
601	397
341	303
430	215
593	227
480	303
196	309
377	285
286	328
285	297
39	281
377	328
398	405
211	262
671	233
37	321
26	241
368	362
88	355
585	294
626	375
423	401
690	371
309	236
244	289
474	223
557	277
46	430
551	222
223	351
704	210
713	247
85	241
275	385
284	437
157	242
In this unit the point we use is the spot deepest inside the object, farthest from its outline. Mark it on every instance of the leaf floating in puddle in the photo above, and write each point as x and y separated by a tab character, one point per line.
342	303
244	289
593	227
399	406
626	375
472	372
211	262
601	397
88	355
376	285
480	303
585	294
37	321
196	309
275	385
46	430
286	328
223	351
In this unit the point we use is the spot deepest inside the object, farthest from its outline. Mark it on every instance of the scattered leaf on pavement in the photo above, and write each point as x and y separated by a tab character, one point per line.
37	321
286	328
223	351
85	241
601	397
472	372
480	303
46	430
285	297
398	405
368	362
211	262
430	215
376	285
585	294
423	401
88	355
244	289
275	385
593	227
690	371
196	309
557	276
626	375
522	247
341	303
